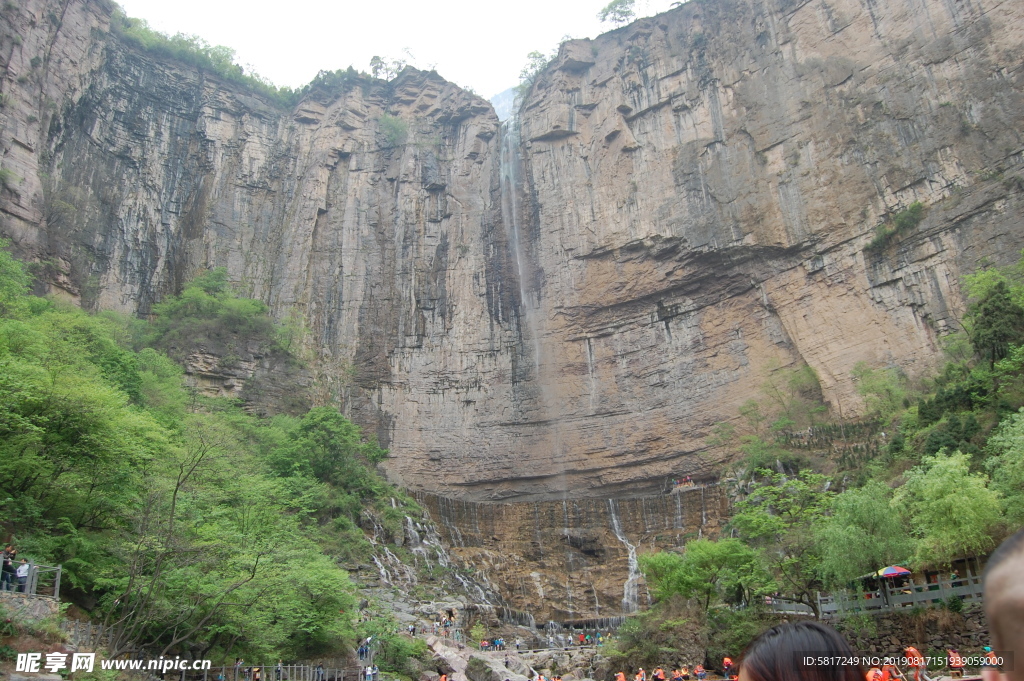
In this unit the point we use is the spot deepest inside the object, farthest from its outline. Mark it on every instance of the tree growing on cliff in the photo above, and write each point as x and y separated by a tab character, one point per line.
997	322
618	12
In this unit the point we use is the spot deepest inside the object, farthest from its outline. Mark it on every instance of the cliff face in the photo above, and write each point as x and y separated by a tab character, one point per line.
575	559
565	308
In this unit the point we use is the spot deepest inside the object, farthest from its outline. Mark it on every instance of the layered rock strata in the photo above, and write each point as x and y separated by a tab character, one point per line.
568	561
682	206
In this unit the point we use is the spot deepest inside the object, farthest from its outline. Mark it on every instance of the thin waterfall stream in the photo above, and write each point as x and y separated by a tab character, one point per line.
630	590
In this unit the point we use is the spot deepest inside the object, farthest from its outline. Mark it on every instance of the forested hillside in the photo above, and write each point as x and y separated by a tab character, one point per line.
184	522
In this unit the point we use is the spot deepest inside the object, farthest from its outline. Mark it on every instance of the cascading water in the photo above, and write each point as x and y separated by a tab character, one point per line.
630	590
509	184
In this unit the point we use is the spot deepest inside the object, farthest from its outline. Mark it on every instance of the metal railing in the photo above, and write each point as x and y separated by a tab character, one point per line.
41	580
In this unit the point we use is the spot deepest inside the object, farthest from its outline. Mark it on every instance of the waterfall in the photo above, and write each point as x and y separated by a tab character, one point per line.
509	184
411	535
630	590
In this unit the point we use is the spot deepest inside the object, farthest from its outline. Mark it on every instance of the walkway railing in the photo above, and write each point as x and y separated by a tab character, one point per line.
887	599
42	580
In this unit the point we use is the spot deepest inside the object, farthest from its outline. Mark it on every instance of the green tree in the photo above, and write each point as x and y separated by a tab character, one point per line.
996	323
1006	465
709	571
861	535
884	390
779	517
951	510
618	12
14	282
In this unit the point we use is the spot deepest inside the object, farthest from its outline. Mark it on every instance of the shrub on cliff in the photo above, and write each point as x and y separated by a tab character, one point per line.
901	223
208	312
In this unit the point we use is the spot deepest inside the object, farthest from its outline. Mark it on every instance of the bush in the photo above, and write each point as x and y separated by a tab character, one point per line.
902	222
394	130
955	604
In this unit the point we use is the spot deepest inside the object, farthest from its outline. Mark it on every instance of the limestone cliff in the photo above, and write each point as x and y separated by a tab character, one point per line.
564	309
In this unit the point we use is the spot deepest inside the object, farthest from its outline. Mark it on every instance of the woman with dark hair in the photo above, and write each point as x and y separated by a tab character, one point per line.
804	651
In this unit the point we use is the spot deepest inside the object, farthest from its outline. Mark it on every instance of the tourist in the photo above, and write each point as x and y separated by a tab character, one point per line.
956	663
376	673
1004	608
726	666
777	655
659	674
22	575
916	662
320	671
700	673
7	576
873	674
620	676
278	670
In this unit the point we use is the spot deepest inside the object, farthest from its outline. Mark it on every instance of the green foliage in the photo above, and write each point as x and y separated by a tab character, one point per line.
386	68
209	313
778	518
14	283
8	178
477	632
618	12
710	571
1006	466
196	52
901	223
393	129
884	390
951	510
670	633
861	534
536	62
184	523
730	631
996	322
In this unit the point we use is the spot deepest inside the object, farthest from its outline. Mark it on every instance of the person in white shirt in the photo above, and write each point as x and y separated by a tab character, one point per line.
22	574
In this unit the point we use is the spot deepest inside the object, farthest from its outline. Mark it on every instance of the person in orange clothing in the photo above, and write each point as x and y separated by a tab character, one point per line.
619	676
726	666
890	672
956	663
915	660
659	674
873	674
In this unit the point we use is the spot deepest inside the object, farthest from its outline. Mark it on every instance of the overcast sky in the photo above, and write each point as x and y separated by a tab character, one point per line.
475	44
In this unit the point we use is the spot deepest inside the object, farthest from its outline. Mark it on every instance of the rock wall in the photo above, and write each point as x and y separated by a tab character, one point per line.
568	560
700	191
564	309
932	631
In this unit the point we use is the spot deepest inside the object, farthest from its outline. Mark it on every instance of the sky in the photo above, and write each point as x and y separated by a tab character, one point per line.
480	45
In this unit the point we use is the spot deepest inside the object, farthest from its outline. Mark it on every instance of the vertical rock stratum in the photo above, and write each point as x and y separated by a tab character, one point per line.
565	307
